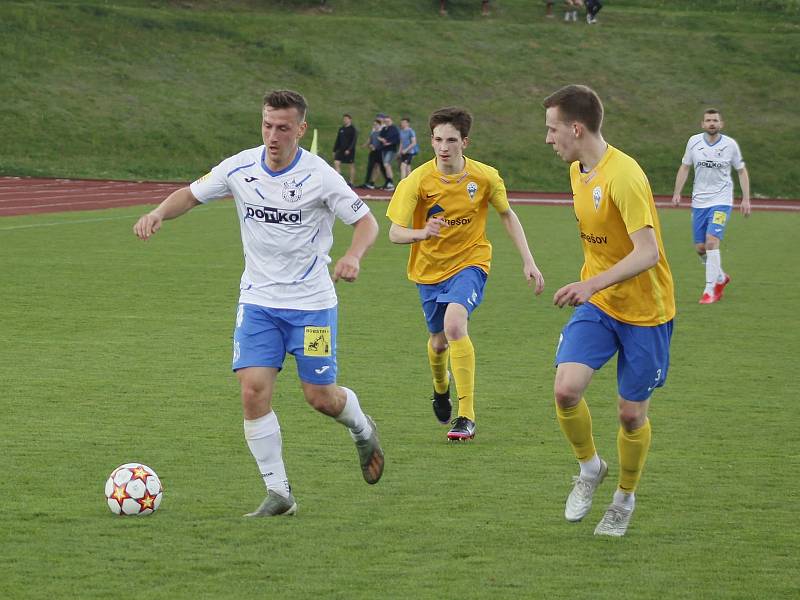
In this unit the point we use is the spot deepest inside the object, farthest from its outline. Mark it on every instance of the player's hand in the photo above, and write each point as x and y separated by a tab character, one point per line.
573	294
433	227
745	207
676	199
147	225
534	277
346	268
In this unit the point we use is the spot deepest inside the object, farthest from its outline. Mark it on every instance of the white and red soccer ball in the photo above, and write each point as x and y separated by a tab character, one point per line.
133	489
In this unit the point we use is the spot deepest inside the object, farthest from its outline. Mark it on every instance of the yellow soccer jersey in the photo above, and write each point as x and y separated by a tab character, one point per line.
462	200
612	201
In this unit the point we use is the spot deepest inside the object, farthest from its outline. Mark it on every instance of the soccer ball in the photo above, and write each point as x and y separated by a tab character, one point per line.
133	489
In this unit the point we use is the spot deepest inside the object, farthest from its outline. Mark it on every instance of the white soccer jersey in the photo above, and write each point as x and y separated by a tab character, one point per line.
286	219
712	164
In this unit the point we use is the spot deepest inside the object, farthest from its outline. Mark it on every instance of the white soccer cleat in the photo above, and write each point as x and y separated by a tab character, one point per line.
615	522
579	501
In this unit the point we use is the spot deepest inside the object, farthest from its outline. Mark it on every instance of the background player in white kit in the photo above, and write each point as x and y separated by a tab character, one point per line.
712	155
286	199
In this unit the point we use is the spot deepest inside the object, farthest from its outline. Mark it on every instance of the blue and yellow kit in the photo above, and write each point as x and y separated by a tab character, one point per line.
462	201
612	201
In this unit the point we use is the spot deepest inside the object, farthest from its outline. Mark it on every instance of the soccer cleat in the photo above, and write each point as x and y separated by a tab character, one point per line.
707	298
579	501
462	429
370	455
615	521
369	185
389	185
442	407
275	505
720	287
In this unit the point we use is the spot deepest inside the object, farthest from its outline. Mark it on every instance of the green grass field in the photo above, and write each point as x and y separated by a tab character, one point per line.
164	90
116	350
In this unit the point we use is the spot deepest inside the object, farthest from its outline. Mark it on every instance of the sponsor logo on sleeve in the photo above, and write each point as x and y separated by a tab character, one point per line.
356	206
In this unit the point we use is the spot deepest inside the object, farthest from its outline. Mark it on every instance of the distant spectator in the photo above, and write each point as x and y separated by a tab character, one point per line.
592	8
374	159
390	142
409	147
344	149
548	8
571	9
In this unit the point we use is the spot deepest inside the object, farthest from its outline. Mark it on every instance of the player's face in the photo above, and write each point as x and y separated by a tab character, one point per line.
448	146
281	129
712	123
562	136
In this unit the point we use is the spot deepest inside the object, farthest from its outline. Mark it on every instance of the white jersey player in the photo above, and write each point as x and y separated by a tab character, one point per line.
287	200
712	155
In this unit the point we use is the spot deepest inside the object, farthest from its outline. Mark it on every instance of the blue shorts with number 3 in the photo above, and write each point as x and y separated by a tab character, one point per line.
591	337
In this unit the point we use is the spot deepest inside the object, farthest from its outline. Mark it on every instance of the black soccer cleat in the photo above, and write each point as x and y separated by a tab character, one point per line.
463	429
442	407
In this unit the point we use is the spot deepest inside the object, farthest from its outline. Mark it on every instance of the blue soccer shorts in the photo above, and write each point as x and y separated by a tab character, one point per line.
263	336
464	288
712	221
591	337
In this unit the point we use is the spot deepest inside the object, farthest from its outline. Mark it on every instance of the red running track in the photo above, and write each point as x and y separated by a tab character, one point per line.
24	196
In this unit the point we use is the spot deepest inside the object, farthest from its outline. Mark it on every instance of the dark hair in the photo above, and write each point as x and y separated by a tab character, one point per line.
577	103
287	99
711	111
347	115
456	116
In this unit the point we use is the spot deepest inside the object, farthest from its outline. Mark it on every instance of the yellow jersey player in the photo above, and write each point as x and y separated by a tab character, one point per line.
624	302
441	209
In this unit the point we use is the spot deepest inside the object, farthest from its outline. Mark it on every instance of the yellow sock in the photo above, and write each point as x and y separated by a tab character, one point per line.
462	359
632	447
576	423
438	362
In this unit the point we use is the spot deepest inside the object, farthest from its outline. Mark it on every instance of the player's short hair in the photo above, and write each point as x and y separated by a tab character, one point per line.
456	116
287	99
347	115
578	103
712	111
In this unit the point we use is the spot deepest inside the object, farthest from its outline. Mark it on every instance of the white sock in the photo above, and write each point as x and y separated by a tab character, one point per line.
263	437
624	499
590	469
354	418
713	269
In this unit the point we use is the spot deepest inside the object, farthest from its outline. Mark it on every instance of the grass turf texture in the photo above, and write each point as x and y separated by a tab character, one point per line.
155	90
116	350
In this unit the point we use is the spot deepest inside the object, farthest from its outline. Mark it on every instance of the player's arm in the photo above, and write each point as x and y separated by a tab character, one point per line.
680	181
644	256
176	204
517	234
405	235
744	183
365	231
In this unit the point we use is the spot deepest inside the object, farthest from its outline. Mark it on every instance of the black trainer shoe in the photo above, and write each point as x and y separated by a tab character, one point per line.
462	429
442	407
